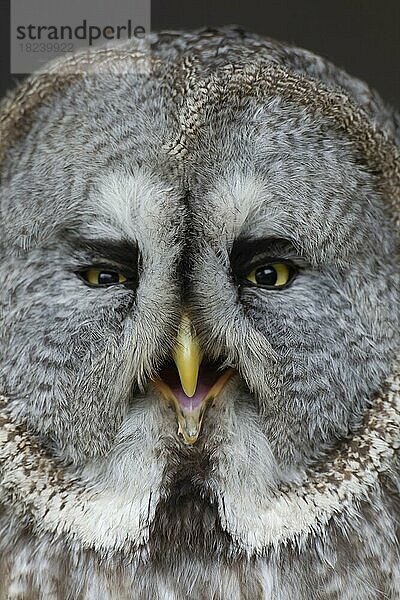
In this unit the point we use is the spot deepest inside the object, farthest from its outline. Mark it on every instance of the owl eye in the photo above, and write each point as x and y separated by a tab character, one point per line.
101	277
272	275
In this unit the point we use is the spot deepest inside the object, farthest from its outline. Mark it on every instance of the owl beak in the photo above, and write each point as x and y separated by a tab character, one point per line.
190	396
187	356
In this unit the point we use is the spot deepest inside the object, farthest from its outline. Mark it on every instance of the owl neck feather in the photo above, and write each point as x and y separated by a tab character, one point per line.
43	493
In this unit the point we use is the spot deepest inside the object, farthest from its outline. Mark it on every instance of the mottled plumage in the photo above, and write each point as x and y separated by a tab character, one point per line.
184	161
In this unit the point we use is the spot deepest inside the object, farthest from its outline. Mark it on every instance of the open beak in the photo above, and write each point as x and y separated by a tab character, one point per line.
191	383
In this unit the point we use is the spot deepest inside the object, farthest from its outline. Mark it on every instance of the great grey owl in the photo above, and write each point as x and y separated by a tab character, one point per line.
199	326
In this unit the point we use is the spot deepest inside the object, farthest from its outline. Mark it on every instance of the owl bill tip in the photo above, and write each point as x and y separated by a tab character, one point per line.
189	426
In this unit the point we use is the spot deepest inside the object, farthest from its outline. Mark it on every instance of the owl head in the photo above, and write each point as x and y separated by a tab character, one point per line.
199	267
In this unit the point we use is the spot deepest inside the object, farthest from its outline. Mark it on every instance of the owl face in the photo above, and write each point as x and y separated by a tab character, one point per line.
211	324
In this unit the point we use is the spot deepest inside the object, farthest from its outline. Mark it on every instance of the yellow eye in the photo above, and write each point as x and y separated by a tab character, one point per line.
102	276
270	276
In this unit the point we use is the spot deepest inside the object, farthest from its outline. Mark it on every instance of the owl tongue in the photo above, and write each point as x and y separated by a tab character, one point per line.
208	375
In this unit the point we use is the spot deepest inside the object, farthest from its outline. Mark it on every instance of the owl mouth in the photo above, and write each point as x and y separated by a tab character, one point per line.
190	409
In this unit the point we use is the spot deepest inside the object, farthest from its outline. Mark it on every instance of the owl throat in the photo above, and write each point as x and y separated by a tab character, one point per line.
187	523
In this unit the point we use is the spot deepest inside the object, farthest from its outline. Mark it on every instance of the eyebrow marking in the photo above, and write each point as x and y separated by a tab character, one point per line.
243	250
122	252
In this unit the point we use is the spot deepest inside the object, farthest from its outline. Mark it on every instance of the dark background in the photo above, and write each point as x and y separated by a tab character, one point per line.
361	36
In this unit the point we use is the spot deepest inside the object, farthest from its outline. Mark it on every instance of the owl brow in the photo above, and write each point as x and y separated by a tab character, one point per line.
243	250
123	252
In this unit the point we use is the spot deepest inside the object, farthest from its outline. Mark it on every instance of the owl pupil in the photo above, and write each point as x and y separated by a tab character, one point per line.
105	277
266	275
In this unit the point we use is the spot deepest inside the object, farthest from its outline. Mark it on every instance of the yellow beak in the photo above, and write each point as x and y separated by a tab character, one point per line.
187	356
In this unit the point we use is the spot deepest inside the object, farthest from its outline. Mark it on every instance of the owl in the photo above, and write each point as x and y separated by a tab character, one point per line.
199	342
